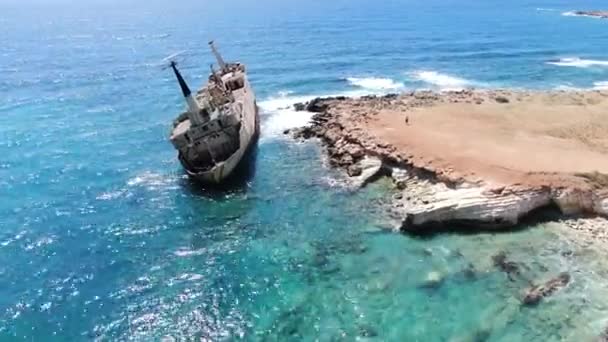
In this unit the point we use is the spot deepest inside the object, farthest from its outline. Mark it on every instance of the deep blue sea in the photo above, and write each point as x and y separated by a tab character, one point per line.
102	237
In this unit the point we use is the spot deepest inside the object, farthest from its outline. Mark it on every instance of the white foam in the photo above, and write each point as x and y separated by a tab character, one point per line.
578	62
602	85
186	252
39	243
278	113
281	115
110	195
567	87
153	181
190	276
375	83
282	101
440	80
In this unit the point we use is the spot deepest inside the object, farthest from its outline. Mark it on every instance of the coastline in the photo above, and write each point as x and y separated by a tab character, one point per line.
473	158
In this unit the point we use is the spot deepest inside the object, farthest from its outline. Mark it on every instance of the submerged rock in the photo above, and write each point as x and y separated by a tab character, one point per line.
433	280
509	267
535	294
366	331
477	335
469	272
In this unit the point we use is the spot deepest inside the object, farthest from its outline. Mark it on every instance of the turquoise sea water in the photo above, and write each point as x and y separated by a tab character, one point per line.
102	236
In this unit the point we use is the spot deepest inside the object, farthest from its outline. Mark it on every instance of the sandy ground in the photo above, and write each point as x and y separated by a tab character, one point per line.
536	138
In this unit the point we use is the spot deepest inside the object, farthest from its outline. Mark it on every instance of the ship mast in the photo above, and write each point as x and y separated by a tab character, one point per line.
193	108
218	57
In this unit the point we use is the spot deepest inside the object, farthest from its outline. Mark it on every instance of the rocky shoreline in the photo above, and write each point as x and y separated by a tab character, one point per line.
432	195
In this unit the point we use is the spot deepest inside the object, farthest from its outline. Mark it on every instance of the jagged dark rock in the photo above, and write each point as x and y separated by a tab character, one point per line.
319	104
299	107
354	171
302	133
535	294
316	106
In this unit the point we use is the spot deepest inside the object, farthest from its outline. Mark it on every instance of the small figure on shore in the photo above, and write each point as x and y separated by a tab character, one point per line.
407	120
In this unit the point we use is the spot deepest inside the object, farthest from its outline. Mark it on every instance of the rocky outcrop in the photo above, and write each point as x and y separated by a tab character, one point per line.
365	171
428	206
317	105
475	206
431	198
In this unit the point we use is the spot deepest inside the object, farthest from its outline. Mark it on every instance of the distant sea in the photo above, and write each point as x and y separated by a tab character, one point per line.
102	237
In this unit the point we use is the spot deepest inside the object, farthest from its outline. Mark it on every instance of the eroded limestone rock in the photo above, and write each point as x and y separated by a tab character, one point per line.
475	206
369	168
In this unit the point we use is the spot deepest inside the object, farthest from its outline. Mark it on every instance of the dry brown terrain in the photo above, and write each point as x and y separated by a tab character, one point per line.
533	138
502	137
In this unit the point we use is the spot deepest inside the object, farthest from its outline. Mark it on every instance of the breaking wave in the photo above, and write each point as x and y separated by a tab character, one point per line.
567	87
578	62
279	114
441	81
602	85
599	85
375	83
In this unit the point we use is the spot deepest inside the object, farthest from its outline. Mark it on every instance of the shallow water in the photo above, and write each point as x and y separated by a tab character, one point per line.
102	236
